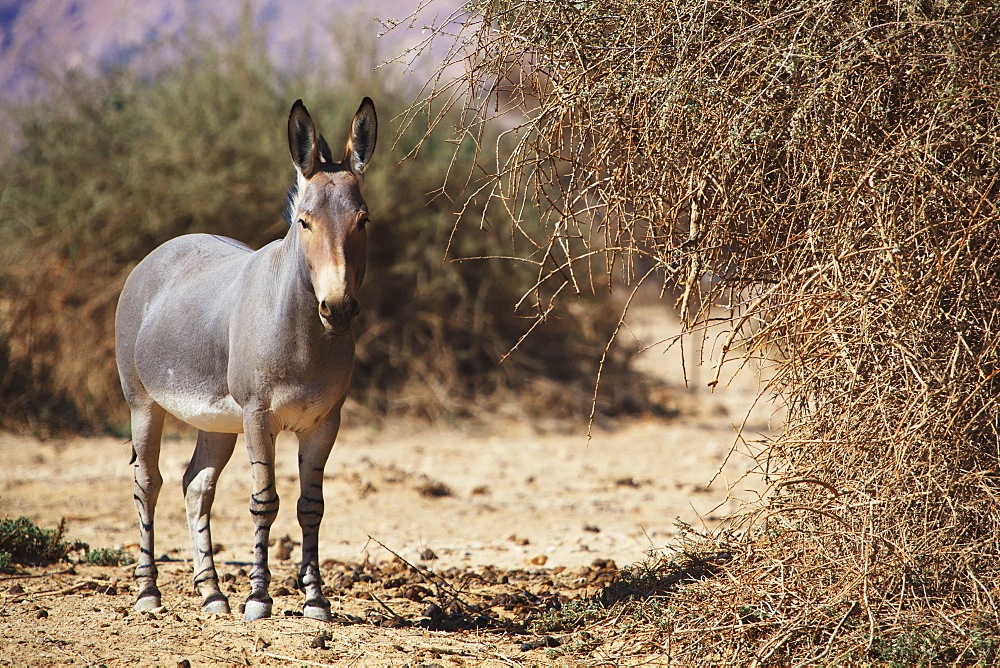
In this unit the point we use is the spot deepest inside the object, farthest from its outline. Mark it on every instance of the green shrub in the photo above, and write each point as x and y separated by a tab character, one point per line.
119	163
106	556
24	542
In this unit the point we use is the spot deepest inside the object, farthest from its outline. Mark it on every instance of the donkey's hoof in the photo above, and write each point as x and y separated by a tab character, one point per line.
149	600
317	609
216	603
255	609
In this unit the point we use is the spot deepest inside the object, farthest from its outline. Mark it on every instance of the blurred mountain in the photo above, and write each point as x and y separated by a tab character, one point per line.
43	40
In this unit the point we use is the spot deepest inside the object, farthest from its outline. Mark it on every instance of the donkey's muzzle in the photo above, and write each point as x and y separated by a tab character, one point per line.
338	316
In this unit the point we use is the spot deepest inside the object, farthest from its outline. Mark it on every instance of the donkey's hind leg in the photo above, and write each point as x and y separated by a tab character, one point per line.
147	427
210	456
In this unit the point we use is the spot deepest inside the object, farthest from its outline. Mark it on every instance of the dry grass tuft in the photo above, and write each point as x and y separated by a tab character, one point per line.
827	175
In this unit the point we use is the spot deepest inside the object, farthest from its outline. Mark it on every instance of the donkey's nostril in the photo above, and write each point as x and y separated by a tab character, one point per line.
349	307
338	315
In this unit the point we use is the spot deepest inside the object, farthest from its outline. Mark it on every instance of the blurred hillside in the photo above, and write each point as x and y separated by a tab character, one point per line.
41	41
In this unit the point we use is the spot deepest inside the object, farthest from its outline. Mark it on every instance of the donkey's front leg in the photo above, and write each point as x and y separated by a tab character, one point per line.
314	449
259	432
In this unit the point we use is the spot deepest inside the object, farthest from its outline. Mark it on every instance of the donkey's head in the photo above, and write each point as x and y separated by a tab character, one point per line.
328	212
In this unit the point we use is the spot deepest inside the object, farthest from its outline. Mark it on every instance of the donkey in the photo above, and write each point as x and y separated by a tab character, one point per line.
232	340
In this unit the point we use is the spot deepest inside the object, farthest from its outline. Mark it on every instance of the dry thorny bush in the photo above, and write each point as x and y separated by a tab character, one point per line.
817	183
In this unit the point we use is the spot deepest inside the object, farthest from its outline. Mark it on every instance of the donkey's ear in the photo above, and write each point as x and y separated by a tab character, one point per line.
302	141
361	143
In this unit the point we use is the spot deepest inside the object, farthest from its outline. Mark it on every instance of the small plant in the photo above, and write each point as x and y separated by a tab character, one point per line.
659	575
985	648
24	542
569	616
750	614
106	556
915	646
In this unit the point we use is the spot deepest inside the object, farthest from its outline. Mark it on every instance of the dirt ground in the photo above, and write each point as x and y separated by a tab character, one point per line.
427	530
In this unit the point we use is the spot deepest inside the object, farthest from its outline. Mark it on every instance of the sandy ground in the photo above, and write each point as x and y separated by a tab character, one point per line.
497	499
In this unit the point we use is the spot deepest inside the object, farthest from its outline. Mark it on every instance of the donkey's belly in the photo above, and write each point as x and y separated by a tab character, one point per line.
205	413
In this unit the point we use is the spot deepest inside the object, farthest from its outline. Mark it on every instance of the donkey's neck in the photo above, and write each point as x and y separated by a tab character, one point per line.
291	272
290	289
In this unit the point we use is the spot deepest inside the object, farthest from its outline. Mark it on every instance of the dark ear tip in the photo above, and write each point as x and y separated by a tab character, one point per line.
367	105
297	109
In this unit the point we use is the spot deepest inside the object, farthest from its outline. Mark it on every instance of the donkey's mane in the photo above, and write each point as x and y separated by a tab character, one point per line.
293	197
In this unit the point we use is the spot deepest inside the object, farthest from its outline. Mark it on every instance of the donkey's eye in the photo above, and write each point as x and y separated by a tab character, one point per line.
304	224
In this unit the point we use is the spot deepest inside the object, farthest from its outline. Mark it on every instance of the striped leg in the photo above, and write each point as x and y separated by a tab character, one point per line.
314	450
210	456
147	427
260	433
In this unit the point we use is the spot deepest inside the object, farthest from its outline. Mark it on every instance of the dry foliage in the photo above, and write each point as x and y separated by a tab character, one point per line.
817	181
